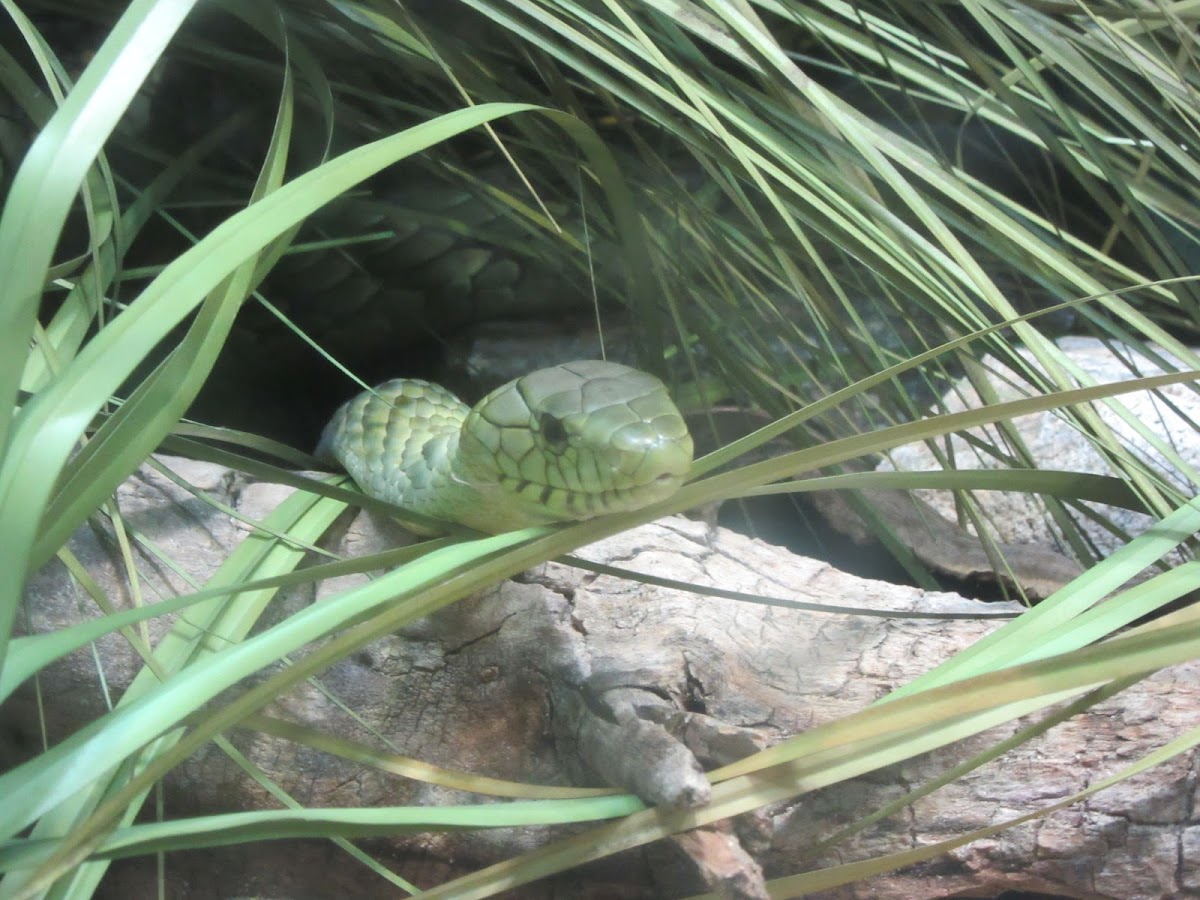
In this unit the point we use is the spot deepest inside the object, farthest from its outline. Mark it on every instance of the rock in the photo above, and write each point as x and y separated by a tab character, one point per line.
511	683
1022	518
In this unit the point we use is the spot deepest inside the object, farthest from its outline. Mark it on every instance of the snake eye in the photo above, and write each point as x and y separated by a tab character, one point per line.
553	432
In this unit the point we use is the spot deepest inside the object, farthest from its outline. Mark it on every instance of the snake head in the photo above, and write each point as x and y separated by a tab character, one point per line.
575	441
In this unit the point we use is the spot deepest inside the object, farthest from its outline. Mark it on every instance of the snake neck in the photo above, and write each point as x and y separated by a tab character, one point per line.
477	496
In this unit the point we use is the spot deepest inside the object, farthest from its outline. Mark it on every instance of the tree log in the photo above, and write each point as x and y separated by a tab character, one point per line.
553	677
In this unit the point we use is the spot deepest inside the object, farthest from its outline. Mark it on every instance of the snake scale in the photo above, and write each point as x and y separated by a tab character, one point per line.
566	442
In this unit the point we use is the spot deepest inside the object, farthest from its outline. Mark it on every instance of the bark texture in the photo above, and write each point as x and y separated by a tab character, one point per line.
568	676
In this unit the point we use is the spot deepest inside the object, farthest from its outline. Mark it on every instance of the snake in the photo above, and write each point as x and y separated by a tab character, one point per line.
563	443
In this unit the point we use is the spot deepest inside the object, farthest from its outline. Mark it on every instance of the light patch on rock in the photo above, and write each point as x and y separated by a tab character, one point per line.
1170	413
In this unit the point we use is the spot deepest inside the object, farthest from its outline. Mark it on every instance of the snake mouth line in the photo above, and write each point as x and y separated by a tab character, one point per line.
595	500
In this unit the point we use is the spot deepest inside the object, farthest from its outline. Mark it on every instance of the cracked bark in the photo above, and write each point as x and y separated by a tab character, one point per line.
507	684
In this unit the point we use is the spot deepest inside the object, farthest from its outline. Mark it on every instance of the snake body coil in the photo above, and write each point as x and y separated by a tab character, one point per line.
567	442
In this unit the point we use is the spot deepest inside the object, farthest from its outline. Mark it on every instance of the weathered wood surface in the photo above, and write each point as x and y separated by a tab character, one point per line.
511	683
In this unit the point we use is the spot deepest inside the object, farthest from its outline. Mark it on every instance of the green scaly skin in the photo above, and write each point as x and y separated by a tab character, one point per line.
568	442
